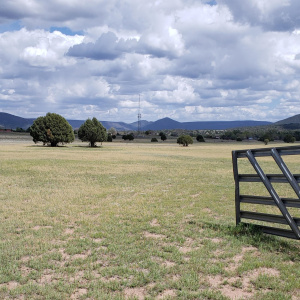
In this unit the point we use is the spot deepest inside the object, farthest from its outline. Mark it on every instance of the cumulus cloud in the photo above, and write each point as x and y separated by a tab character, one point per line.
189	60
275	15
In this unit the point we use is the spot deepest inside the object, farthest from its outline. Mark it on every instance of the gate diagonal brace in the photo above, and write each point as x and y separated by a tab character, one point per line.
290	221
286	172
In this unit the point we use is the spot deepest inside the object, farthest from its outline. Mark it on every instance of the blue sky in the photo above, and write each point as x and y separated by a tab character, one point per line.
188	60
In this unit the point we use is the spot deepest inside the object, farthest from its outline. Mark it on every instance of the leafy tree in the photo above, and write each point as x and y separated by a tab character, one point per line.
19	129
129	137
185	140
92	131
154	140
200	138
266	141
289	138
163	137
109	138
112	131
52	129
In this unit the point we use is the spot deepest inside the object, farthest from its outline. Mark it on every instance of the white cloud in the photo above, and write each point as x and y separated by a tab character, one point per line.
188	59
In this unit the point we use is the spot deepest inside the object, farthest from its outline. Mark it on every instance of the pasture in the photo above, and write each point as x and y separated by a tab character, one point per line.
133	221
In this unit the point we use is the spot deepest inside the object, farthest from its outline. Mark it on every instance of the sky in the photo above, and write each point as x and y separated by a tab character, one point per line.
189	60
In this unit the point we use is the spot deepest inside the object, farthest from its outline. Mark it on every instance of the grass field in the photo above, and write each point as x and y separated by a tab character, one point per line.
133	221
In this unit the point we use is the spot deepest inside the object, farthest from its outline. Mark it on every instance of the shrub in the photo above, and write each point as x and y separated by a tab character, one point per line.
154	140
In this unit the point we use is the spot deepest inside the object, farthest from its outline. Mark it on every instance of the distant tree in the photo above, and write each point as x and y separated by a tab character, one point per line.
154	140
163	137
52	129
112	131
200	138
129	137
109	138
266	141
18	129
289	138
148	132
92	131
185	140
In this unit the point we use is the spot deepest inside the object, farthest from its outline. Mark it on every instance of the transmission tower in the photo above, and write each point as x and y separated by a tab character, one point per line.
139	116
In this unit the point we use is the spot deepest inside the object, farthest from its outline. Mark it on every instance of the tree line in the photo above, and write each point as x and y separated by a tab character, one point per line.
53	129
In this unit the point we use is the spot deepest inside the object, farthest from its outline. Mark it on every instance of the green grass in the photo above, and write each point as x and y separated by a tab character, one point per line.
133	221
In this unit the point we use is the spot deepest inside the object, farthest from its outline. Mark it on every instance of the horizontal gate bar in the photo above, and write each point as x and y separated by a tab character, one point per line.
280	178
277	231
267	217
289	202
280	232
294	150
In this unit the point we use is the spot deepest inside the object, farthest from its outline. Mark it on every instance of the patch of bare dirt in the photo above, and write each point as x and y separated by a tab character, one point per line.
25	271
10	285
207	210
228	286
78	293
37	227
235	293
154	223
69	231
236	260
153	235
185	249
81	255
167	293
138	293
98	240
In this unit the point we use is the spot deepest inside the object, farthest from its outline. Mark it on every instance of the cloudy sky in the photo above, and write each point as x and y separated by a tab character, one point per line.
189	60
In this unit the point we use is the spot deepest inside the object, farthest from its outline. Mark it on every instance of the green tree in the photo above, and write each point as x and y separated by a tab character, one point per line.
92	131
163	137
112	131
200	138
52	129
289	138
109	138
129	137
185	140
154	140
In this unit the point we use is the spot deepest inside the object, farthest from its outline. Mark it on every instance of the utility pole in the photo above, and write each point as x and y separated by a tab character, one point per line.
139	116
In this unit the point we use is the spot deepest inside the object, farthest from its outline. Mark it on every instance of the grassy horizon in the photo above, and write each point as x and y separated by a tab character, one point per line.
133	221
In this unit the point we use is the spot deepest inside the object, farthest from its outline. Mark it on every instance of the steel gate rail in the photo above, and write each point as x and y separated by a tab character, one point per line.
274	199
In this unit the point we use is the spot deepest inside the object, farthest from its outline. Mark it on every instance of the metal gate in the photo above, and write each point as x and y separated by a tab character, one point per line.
274	199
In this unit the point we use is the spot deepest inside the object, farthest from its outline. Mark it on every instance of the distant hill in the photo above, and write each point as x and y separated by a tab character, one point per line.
165	123
9	121
291	120
168	123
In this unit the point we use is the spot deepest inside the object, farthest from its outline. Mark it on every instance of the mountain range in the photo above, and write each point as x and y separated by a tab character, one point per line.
9	121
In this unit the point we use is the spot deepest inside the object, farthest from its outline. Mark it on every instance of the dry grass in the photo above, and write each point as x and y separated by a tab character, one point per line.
132	221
